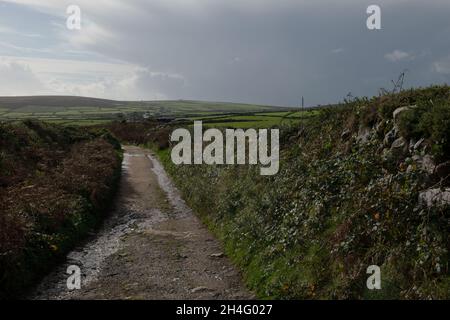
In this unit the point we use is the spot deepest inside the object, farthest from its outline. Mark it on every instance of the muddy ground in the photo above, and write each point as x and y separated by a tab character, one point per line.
150	247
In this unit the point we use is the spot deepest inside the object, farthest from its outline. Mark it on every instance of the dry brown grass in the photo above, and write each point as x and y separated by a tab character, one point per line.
55	184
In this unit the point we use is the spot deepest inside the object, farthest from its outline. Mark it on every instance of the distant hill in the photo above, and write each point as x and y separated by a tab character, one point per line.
72	109
54	101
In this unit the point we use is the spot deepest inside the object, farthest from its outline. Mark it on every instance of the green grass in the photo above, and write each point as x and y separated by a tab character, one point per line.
75	110
337	205
80	122
255	120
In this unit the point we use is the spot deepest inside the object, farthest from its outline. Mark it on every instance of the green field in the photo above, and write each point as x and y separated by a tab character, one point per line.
255	120
89	111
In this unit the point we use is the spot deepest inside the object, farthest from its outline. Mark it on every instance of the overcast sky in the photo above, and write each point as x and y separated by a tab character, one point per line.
257	51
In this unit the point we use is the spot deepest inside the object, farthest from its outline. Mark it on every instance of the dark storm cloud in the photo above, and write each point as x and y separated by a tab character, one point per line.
271	52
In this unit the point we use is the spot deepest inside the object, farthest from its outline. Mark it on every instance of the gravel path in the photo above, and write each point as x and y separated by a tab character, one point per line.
150	247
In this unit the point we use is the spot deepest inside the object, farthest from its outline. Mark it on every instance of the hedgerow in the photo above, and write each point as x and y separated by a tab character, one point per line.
337	206
55	184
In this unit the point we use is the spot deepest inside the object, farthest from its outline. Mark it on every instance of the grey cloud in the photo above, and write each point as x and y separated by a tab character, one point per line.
270	52
145	84
19	79
443	66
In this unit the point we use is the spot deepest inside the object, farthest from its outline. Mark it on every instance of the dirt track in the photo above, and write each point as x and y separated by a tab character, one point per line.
151	247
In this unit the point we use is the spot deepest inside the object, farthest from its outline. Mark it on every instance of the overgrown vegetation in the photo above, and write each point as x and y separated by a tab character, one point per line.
362	183
350	193
55	183
142	133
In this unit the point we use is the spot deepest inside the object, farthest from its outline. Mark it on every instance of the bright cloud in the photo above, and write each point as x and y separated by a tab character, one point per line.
19	79
398	55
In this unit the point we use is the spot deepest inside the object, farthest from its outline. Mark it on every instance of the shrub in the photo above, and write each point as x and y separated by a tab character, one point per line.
312	230
57	182
429	122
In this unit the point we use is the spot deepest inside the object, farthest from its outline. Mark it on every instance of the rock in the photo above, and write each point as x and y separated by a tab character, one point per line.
399	111
435	197
363	135
345	135
389	138
199	289
418	144
399	147
428	164
412	142
386	153
443	170
217	255
379	128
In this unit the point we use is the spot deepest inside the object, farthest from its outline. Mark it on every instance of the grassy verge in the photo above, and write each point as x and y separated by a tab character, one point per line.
56	183
345	198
